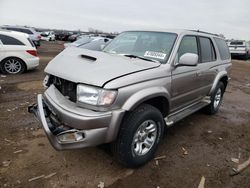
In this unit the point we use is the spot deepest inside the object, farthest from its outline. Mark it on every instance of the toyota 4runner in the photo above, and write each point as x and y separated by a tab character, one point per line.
126	95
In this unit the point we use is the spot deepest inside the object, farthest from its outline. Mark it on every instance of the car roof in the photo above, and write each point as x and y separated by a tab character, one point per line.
183	31
21	27
9	32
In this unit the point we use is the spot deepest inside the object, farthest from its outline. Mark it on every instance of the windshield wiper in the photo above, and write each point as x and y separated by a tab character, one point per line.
140	57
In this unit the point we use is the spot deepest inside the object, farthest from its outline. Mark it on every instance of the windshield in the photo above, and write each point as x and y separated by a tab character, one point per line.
150	45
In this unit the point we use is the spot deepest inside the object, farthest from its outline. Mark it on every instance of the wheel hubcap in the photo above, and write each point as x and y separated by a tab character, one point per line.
217	98
12	66
144	138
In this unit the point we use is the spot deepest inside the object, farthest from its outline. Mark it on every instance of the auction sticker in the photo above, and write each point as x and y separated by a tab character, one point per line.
157	55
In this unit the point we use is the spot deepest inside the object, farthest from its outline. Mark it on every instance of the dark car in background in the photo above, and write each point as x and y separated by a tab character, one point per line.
63	36
73	38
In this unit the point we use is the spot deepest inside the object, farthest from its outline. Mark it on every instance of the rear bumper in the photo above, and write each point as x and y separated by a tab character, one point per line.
239	53
32	63
67	130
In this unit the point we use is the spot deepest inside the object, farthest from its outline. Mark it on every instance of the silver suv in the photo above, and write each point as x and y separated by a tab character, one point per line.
142	82
33	35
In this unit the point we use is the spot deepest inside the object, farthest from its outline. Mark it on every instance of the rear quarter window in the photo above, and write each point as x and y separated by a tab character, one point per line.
7	40
223	49
30	41
27	31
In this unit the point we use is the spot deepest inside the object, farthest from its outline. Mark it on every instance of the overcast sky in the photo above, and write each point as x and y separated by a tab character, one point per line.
229	17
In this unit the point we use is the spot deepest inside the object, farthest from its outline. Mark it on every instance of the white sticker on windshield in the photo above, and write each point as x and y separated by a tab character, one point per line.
157	55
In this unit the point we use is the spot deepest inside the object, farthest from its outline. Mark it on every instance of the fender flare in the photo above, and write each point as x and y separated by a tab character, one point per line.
143	95
217	79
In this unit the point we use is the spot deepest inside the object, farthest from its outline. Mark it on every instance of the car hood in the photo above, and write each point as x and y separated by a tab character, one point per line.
94	68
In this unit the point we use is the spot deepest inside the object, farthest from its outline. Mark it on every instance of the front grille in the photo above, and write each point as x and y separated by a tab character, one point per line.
66	88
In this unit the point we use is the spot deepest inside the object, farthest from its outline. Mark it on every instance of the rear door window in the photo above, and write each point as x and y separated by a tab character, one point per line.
27	31
7	40
237	43
207	50
223	48
188	45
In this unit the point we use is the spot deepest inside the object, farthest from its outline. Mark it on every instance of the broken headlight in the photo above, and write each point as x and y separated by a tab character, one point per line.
95	96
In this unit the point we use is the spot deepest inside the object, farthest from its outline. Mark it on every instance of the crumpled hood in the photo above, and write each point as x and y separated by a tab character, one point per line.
93	67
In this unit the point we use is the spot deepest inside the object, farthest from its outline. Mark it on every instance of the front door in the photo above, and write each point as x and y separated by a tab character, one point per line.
185	79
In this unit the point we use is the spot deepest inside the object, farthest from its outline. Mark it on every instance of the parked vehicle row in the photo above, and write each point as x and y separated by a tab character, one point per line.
17	52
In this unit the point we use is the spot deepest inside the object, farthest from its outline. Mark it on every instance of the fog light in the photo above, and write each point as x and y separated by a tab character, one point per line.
70	136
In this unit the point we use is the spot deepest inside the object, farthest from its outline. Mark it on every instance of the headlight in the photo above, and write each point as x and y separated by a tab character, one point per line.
95	96
45	81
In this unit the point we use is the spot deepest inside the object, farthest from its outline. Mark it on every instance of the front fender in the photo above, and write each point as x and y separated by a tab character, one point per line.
143	95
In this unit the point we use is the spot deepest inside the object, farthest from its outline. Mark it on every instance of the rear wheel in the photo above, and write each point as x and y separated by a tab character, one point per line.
12	66
139	136
216	99
246	56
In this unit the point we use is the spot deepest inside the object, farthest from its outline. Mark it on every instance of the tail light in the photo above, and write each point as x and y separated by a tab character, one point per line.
32	52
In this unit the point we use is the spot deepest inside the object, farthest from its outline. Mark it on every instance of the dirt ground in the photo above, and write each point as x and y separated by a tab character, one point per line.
209	142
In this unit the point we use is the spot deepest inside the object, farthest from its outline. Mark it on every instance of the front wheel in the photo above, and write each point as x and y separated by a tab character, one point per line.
216	99
139	136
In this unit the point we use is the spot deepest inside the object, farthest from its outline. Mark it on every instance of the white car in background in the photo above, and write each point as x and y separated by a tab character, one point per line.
240	48
17	52
48	36
91	43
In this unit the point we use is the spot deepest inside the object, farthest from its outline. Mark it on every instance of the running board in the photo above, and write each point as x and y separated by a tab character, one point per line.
179	115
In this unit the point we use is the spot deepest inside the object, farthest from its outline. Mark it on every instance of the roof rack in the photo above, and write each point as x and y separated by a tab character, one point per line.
205	32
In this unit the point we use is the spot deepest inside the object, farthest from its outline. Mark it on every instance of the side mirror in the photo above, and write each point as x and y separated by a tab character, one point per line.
188	59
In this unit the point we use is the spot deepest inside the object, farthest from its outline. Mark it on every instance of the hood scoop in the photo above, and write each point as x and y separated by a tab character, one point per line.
90	58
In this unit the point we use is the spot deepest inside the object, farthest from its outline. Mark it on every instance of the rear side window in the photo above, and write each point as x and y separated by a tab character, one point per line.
7	40
188	45
223	48
27	31
13	29
207	50
240	43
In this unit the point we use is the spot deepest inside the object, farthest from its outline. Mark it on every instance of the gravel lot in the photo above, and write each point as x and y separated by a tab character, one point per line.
200	145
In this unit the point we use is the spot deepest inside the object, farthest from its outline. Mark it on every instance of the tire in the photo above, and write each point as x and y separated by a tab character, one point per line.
18	63
216	100
130	149
246	56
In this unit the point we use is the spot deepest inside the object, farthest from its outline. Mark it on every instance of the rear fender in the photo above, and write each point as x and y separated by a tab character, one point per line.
217	79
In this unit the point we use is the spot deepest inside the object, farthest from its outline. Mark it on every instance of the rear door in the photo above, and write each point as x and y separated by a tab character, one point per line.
185	81
208	65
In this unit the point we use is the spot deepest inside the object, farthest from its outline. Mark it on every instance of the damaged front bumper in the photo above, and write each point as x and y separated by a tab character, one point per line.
68	130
